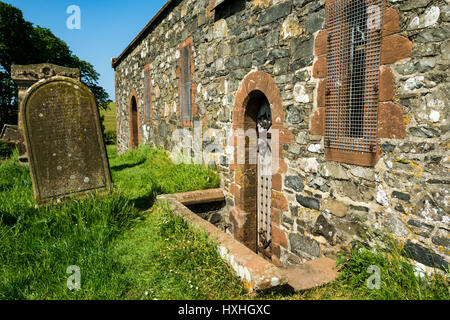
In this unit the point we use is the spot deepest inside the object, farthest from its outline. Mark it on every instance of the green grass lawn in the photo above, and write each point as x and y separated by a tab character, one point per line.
110	123
129	247
110	238
110	117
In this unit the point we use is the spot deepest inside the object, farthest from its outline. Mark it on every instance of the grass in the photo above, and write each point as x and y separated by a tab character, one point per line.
141	174
110	123
397	276
110	117
397	279
128	247
168	260
38	245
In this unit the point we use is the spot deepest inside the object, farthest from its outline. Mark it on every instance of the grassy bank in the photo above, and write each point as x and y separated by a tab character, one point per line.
38	245
128	247
110	123
166	259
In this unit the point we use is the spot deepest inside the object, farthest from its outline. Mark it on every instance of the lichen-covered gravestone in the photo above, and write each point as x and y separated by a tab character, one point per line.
64	141
25	76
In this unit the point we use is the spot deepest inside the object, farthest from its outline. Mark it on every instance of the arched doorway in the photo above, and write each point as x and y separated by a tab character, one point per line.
258	200
134	123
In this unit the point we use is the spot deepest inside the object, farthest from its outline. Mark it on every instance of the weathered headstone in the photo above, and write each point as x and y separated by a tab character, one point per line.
27	75
63	137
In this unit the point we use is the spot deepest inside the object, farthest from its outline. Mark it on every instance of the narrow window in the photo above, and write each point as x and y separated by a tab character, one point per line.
147	95
353	63
185	83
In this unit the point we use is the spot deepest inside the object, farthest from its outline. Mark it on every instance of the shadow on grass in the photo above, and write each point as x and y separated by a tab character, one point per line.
127	166
147	201
283	290
7	219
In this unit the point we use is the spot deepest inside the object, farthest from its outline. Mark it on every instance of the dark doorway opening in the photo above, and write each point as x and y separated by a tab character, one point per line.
134	130
258	117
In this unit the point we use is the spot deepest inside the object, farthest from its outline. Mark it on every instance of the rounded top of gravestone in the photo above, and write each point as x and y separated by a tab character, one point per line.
35	72
64	140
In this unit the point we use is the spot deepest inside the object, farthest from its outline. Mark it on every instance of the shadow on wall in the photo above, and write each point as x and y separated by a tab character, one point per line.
229	8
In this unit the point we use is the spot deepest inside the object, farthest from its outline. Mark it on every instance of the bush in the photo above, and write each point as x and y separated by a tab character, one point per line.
5	151
110	137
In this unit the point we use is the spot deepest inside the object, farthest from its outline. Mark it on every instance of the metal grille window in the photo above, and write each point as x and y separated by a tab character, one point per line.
185	85
147	93
353	61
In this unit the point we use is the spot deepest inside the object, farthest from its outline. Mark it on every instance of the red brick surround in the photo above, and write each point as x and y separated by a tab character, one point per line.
244	188
133	94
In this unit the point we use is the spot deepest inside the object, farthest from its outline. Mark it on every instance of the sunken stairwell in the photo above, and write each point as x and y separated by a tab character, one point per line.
206	210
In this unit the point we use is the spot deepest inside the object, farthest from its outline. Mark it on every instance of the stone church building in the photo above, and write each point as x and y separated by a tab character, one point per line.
347	99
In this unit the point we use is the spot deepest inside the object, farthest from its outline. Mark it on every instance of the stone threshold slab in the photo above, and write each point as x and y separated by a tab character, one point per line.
254	271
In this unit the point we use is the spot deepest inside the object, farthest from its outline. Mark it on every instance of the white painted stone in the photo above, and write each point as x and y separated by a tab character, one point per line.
415	83
275	282
430	18
300	94
309	165
314	148
435	116
382	196
220	29
174	107
229	150
224	101
414	24
290	27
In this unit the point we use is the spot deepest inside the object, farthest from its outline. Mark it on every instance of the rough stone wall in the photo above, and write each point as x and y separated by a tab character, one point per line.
328	205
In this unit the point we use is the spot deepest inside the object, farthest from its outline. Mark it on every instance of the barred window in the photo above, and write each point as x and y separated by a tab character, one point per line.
185	83
353	63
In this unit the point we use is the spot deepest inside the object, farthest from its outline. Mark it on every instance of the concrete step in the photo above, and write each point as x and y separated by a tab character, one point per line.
314	273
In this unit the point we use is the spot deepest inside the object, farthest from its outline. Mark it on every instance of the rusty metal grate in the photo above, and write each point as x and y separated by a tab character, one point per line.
353	62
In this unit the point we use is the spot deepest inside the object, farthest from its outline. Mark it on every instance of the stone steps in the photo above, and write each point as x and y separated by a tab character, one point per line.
314	273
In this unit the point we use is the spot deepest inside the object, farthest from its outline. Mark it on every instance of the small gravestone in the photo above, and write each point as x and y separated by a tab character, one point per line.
9	134
63	137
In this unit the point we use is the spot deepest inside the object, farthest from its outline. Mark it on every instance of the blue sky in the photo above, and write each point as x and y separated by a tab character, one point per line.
107	27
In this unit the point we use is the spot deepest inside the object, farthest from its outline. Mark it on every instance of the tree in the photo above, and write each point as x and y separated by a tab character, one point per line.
23	43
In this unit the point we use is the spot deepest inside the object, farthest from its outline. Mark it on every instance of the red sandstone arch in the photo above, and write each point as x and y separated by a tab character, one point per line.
244	187
133	121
